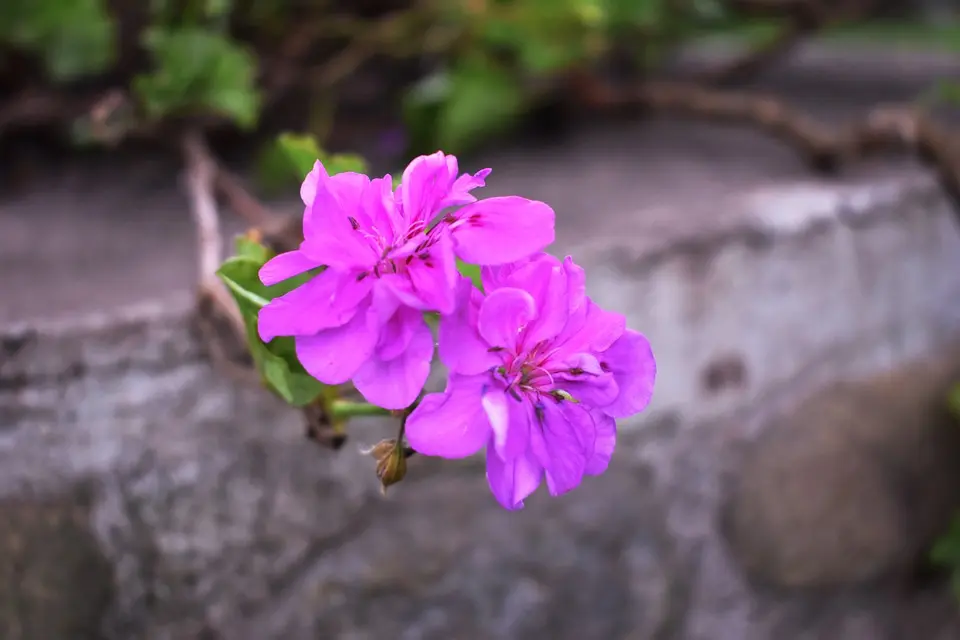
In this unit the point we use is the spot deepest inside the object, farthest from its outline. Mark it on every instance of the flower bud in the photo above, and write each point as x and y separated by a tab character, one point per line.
391	458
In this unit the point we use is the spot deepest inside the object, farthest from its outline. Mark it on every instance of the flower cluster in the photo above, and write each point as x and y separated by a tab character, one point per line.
538	371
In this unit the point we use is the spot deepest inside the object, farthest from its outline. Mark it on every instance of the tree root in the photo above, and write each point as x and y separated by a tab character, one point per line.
884	130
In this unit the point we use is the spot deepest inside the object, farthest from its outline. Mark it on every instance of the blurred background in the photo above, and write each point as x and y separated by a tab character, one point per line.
768	189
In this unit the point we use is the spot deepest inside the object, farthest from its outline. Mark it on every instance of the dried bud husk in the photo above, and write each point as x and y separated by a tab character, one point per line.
391	459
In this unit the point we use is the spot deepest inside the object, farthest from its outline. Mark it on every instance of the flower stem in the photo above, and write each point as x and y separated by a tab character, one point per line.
349	409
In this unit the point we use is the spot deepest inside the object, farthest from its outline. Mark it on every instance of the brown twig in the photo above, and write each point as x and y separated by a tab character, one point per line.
804	18
883	130
218	313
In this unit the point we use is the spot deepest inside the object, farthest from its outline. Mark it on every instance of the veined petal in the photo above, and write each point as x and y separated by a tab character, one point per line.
500	230
396	382
347	251
605	444
451	424
462	186
504	314
425	183
590	329
398	331
462	350
329	231
430	279
284	266
510	419
563	444
545	280
512	482
333	356
329	299
634	367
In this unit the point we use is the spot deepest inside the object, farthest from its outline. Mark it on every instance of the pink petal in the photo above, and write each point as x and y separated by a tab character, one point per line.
591	329
545	280
512	482
396	382
499	230
398	331
605	444
451	424
327	300
308	190
510	419
634	367
377	211
563	444
333	356
576	284
425	183
460	191
285	266
504	315
429	284
590	386
328	229
462	350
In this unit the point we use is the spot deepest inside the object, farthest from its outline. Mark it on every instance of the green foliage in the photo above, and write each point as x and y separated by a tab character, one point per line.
946	553
277	361
471	271
291	156
73	37
195	70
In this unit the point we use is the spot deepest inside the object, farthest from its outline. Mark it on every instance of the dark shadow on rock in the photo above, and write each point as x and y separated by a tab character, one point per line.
55	583
851	486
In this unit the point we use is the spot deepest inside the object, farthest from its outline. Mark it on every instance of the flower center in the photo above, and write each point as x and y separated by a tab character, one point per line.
388	262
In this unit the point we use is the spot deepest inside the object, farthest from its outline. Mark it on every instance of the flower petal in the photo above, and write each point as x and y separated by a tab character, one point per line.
450	424
462	350
634	367
462	186
504	314
499	230
590	329
328	222
511	482
426	182
398	331
605	444
430	280
285	266
563	444
396	382
545	280
333	356
327	300
510	419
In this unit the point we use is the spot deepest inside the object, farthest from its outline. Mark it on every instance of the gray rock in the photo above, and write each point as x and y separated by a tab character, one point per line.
852	484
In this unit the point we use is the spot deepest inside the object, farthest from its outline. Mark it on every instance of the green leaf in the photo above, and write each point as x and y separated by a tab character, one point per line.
471	271
953	401
198	70
946	550
246	247
288	159
277	361
484	100
73	37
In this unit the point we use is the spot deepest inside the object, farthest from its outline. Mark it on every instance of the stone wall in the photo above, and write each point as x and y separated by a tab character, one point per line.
785	483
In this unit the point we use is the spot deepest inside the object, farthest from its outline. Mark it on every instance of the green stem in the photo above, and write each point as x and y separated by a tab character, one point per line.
350	409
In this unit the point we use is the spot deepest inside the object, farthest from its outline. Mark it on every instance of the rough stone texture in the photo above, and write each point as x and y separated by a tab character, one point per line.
217	520
854	483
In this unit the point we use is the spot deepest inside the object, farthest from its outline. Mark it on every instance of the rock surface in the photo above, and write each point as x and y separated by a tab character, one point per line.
144	494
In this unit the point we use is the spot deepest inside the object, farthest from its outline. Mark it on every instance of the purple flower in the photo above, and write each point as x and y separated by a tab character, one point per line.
538	375
389	256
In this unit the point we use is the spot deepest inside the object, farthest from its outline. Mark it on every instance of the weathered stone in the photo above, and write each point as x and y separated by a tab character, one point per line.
755	283
54	579
854	482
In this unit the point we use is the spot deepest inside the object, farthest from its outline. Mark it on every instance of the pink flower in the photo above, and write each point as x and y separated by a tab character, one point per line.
538	374
389	257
